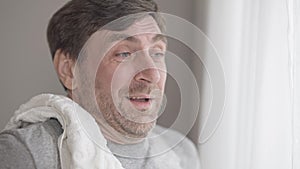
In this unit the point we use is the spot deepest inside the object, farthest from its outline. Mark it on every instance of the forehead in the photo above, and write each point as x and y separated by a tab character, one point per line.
146	25
104	39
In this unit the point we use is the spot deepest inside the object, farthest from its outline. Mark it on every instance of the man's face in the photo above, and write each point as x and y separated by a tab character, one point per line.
126	79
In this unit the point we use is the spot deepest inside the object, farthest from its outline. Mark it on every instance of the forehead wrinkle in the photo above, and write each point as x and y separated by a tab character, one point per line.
159	37
122	37
146	25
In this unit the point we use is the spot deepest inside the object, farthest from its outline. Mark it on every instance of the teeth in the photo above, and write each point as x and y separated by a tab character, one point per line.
138	98
135	98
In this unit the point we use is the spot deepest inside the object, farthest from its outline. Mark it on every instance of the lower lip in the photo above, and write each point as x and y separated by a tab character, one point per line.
141	105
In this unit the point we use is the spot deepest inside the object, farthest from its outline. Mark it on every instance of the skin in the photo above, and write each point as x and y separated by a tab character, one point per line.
122	83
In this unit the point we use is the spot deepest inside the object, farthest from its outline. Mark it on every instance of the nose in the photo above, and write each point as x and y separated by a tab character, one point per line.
150	75
148	72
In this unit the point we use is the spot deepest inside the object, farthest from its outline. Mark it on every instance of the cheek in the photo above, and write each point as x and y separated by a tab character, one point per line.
103	78
123	75
162	80
113	77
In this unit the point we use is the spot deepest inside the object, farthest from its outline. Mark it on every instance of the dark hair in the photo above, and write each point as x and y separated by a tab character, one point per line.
72	25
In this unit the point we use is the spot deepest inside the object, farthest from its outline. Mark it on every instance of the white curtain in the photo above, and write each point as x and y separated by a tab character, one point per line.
259	46
296	83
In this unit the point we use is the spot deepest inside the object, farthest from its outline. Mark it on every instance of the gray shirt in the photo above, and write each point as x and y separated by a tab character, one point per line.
34	146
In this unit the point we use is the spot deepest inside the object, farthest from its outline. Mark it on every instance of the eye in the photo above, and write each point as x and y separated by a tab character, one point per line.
157	55
123	54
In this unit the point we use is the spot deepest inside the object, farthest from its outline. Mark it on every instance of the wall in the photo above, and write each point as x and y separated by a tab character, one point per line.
26	67
25	63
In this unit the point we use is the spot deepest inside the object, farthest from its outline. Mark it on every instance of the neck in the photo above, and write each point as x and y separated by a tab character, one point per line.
109	132
114	136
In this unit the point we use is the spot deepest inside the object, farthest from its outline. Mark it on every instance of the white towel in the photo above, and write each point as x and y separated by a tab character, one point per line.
82	144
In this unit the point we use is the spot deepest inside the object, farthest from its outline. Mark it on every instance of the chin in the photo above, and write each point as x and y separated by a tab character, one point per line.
136	130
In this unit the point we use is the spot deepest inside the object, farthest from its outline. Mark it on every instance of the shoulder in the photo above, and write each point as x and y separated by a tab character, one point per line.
173	138
179	144
31	146
13	153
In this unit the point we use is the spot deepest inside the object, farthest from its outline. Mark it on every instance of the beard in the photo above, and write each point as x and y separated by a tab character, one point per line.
117	115
122	124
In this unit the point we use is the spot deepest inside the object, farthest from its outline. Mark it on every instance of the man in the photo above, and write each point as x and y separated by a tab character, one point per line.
109	56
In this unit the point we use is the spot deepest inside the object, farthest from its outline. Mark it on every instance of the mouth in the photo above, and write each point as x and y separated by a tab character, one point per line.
142	102
139	99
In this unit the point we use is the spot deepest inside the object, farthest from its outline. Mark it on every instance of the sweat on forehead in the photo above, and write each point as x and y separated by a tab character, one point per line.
103	40
134	25
72	25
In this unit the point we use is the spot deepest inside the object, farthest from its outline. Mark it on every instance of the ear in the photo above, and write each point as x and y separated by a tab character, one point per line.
64	66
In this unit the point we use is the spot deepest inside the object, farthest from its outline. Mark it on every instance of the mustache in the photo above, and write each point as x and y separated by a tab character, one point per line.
140	87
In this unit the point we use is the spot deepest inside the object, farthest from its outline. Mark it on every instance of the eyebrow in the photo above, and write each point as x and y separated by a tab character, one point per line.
118	37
